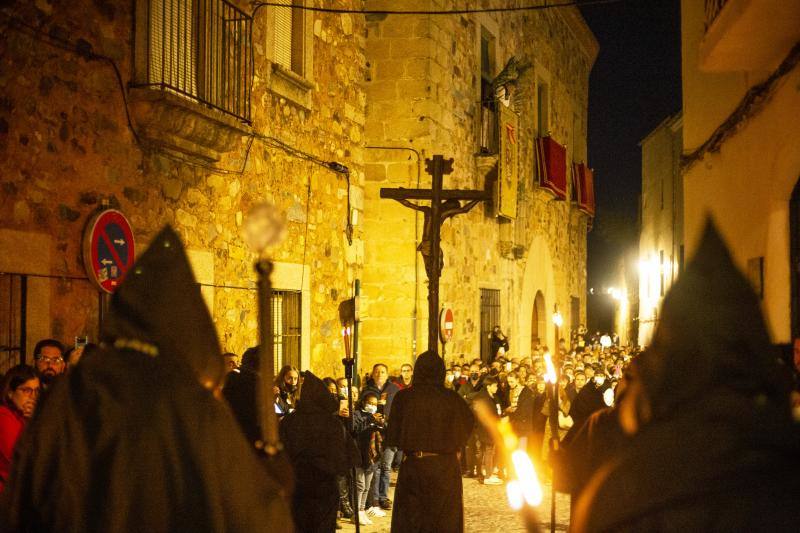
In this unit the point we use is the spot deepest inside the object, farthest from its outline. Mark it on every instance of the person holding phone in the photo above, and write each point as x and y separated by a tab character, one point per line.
385	390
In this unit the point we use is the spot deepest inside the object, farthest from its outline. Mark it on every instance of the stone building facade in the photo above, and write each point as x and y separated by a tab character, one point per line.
423	89
741	164
139	106
67	149
661	249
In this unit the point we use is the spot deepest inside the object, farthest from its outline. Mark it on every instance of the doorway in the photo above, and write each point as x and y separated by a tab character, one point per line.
538	322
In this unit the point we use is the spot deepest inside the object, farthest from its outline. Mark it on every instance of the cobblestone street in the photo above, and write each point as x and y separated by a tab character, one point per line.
486	510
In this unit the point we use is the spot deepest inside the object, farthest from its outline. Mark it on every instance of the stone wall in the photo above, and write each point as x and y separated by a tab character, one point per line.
423	91
67	148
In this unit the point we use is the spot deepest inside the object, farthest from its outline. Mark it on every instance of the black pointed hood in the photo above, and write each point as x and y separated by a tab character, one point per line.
711	334
159	302
429	369
314	395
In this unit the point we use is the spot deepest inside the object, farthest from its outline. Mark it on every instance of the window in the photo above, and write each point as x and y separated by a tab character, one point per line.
199	50
490	317
542	109
13	301
489	142
289	37
286	328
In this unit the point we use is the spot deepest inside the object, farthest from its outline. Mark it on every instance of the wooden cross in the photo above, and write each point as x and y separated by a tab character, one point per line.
443	205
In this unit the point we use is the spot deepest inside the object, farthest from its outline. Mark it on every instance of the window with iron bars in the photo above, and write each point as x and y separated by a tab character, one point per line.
201	50
286	328
489	139
490	317
13	301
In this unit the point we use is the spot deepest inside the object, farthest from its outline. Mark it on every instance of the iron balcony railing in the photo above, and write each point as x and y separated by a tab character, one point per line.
489	134
202	50
713	7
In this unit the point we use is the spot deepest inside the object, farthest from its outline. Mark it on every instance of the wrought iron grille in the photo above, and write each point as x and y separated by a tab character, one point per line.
713	7
286	327
489	134
13	311
202	50
490	317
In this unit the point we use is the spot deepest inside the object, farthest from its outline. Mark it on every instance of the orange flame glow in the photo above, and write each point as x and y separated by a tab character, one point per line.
550	374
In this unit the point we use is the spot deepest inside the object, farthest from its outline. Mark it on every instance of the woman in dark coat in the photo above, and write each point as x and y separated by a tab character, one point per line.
430	424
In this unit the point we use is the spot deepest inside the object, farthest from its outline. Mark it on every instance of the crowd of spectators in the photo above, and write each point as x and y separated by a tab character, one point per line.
510	386
588	371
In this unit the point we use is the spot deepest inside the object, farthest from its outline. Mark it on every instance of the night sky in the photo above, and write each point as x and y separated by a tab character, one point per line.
635	84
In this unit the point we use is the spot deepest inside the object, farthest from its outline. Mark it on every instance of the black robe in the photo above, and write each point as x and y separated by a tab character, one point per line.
319	449
588	400
713	446
427	417
130	440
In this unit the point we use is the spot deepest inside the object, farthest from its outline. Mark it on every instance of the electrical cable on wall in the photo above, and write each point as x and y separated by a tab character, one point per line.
466	11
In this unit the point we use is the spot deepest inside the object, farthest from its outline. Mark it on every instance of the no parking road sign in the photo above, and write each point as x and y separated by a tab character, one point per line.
108	249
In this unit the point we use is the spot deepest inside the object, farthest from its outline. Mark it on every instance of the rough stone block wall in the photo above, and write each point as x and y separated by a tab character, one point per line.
427	99
66	148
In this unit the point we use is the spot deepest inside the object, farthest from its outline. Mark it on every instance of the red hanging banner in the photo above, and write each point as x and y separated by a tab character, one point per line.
584	180
551	162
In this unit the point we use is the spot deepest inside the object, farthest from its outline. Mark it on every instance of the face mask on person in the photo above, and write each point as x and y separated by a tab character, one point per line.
474	376
449	378
599	380
371	409
457	374
343	391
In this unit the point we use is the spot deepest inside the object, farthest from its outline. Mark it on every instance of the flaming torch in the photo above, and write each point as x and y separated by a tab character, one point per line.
551	377
523	488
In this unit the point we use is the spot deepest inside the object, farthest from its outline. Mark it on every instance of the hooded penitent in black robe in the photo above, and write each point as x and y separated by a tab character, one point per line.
129	440
427	417
319	449
714	447
588	400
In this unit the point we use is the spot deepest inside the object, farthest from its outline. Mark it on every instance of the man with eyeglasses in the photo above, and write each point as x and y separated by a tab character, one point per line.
49	356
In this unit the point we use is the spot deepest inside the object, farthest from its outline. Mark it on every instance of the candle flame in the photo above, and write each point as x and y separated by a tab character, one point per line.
550	374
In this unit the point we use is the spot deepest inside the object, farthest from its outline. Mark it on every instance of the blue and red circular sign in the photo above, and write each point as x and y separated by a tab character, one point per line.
108	249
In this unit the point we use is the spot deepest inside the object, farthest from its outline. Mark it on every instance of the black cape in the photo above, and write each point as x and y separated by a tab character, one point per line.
130	440
319	449
714	447
427	417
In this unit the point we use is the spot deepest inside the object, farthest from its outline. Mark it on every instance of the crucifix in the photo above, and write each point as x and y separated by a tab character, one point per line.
443	205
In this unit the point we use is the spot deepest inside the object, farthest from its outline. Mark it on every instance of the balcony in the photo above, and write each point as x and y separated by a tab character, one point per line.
489	140
193	73
748	35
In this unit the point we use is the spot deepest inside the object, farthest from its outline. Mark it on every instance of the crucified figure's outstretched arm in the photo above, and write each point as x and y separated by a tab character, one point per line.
448	211
416	207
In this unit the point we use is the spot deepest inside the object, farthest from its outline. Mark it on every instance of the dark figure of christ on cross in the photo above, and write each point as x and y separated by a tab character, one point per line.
444	204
